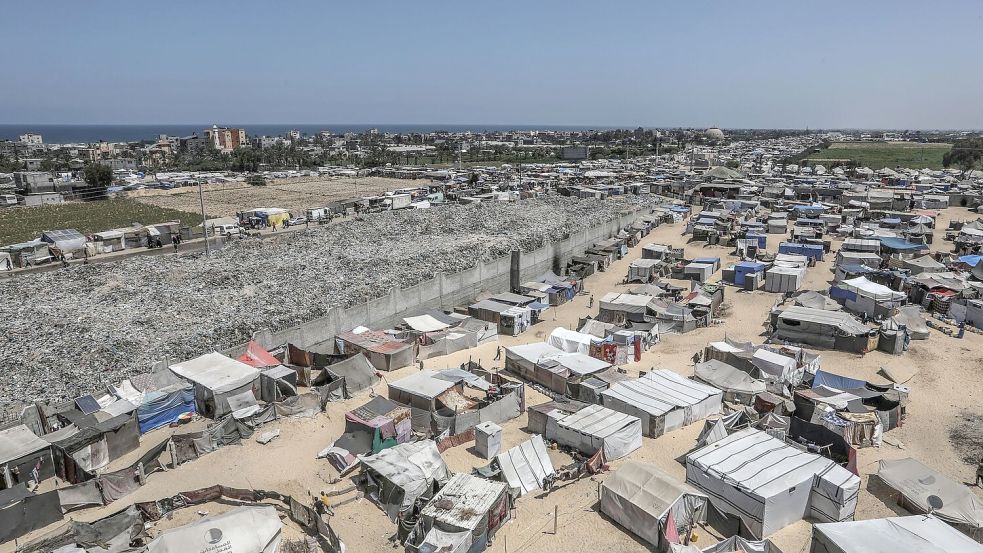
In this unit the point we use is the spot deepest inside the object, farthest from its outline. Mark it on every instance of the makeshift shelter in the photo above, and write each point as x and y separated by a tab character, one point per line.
550	366
644	270
651	504
421	389
737	385
20	452
663	401
245	529
511	320
916	483
784	279
617	308
467	512
570	341
596	428
89	444
66	241
256	356
384	351
525	466
396	477
911	534
539	416
744	269
768	484
346	378
23	511
737	544
821	328
775	366
162	406
860	295
216	379
376	425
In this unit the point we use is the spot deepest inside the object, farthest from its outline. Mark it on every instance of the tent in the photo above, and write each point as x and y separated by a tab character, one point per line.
822	328
384	351
421	389
551	366
663	400
20	451
246	529
777	366
525	466
23	511
376	425
784	279
348	377
400	475
469	507
570	341
912	534
258	357
163	406
216	379
768	484
595	427
867	289
651	504
737	385
917	482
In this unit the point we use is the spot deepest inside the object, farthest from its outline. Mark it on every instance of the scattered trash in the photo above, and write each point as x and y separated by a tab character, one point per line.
268	436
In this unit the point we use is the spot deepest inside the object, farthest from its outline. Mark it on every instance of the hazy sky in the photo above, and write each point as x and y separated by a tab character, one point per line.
749	63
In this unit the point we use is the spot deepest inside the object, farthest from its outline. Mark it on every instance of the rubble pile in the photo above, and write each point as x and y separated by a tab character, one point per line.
74	330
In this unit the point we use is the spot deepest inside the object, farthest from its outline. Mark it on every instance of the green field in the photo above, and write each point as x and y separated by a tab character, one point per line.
20	224
877	155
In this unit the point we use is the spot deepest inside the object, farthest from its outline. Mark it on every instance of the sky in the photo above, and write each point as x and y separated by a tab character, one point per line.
699	63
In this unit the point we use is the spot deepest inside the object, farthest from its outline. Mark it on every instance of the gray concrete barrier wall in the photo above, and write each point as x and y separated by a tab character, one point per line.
443	291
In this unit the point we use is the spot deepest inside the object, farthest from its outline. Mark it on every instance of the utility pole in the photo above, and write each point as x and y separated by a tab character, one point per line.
204	227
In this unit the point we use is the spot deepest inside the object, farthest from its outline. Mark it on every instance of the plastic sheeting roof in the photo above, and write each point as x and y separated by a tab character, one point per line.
647	487
423	384
917	482
425	323
865	288
913	534
595	420
250	529
728	378
216	372
660	391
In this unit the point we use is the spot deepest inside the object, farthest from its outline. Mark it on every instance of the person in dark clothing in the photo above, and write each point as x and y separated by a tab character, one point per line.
498	353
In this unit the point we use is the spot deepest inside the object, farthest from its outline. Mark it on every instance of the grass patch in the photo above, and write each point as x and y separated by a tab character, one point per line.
877	155
20	224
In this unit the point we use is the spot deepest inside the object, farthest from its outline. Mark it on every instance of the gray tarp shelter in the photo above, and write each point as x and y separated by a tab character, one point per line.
663	400
20	450
822	328
355	373
913	534
23	511
916	483
737	385
768	484
470	507
595	427
404	473
640	497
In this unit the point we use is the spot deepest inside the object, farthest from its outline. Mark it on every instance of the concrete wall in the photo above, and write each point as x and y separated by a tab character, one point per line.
441	292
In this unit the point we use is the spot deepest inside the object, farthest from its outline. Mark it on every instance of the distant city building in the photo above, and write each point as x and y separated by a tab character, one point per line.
294	134
119	163
192	144
573	153
31	138
33	182
32	164
263	142
225	139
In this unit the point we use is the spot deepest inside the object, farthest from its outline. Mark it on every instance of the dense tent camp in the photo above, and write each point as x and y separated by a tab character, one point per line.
396	477
911	534
217	378
246	529
767	484
916	482
596	428
525	466
651	504
663	401
378	424
737	385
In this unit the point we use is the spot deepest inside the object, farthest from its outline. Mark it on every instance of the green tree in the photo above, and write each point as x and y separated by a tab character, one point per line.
97	178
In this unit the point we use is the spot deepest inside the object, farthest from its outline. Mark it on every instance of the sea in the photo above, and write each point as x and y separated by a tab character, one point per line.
70	134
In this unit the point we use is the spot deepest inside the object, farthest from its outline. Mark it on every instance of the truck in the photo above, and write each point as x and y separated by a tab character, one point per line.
318	213
399	201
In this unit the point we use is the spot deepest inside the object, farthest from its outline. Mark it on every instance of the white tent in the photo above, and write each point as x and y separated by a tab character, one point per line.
425	323
663	400
570	341
216	379
784	279
913	534
250	529
867	289
777	366
640	497
526	465
595	427
769	484
917	482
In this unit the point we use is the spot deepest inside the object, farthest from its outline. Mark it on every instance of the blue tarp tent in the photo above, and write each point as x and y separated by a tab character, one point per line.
900	244
836	381
812	251
810	209
761	238
971	260
744	268
162	408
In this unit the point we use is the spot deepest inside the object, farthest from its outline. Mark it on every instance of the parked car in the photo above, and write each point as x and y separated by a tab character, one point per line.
293	221
228	231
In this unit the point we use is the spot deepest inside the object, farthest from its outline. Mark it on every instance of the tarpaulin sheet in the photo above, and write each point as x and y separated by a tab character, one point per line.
251	529
79	496
26	512
161	408
836	381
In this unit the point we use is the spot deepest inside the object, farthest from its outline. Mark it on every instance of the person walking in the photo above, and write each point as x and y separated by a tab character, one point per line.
590	302
498	353
979	474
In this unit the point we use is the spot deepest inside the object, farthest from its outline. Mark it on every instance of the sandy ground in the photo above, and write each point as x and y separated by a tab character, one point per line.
946	385
294	195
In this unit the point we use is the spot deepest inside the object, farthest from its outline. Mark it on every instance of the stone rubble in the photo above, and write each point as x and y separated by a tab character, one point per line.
75	330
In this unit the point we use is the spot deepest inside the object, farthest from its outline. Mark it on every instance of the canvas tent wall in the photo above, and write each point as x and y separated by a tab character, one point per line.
23	511
778	367
526	466
768	485
822	328
421	389
663	401
245	529
645	501
346	378
217	378
400	475
92	444
912	534
916	483
570	341
595	427
784	279
20	451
